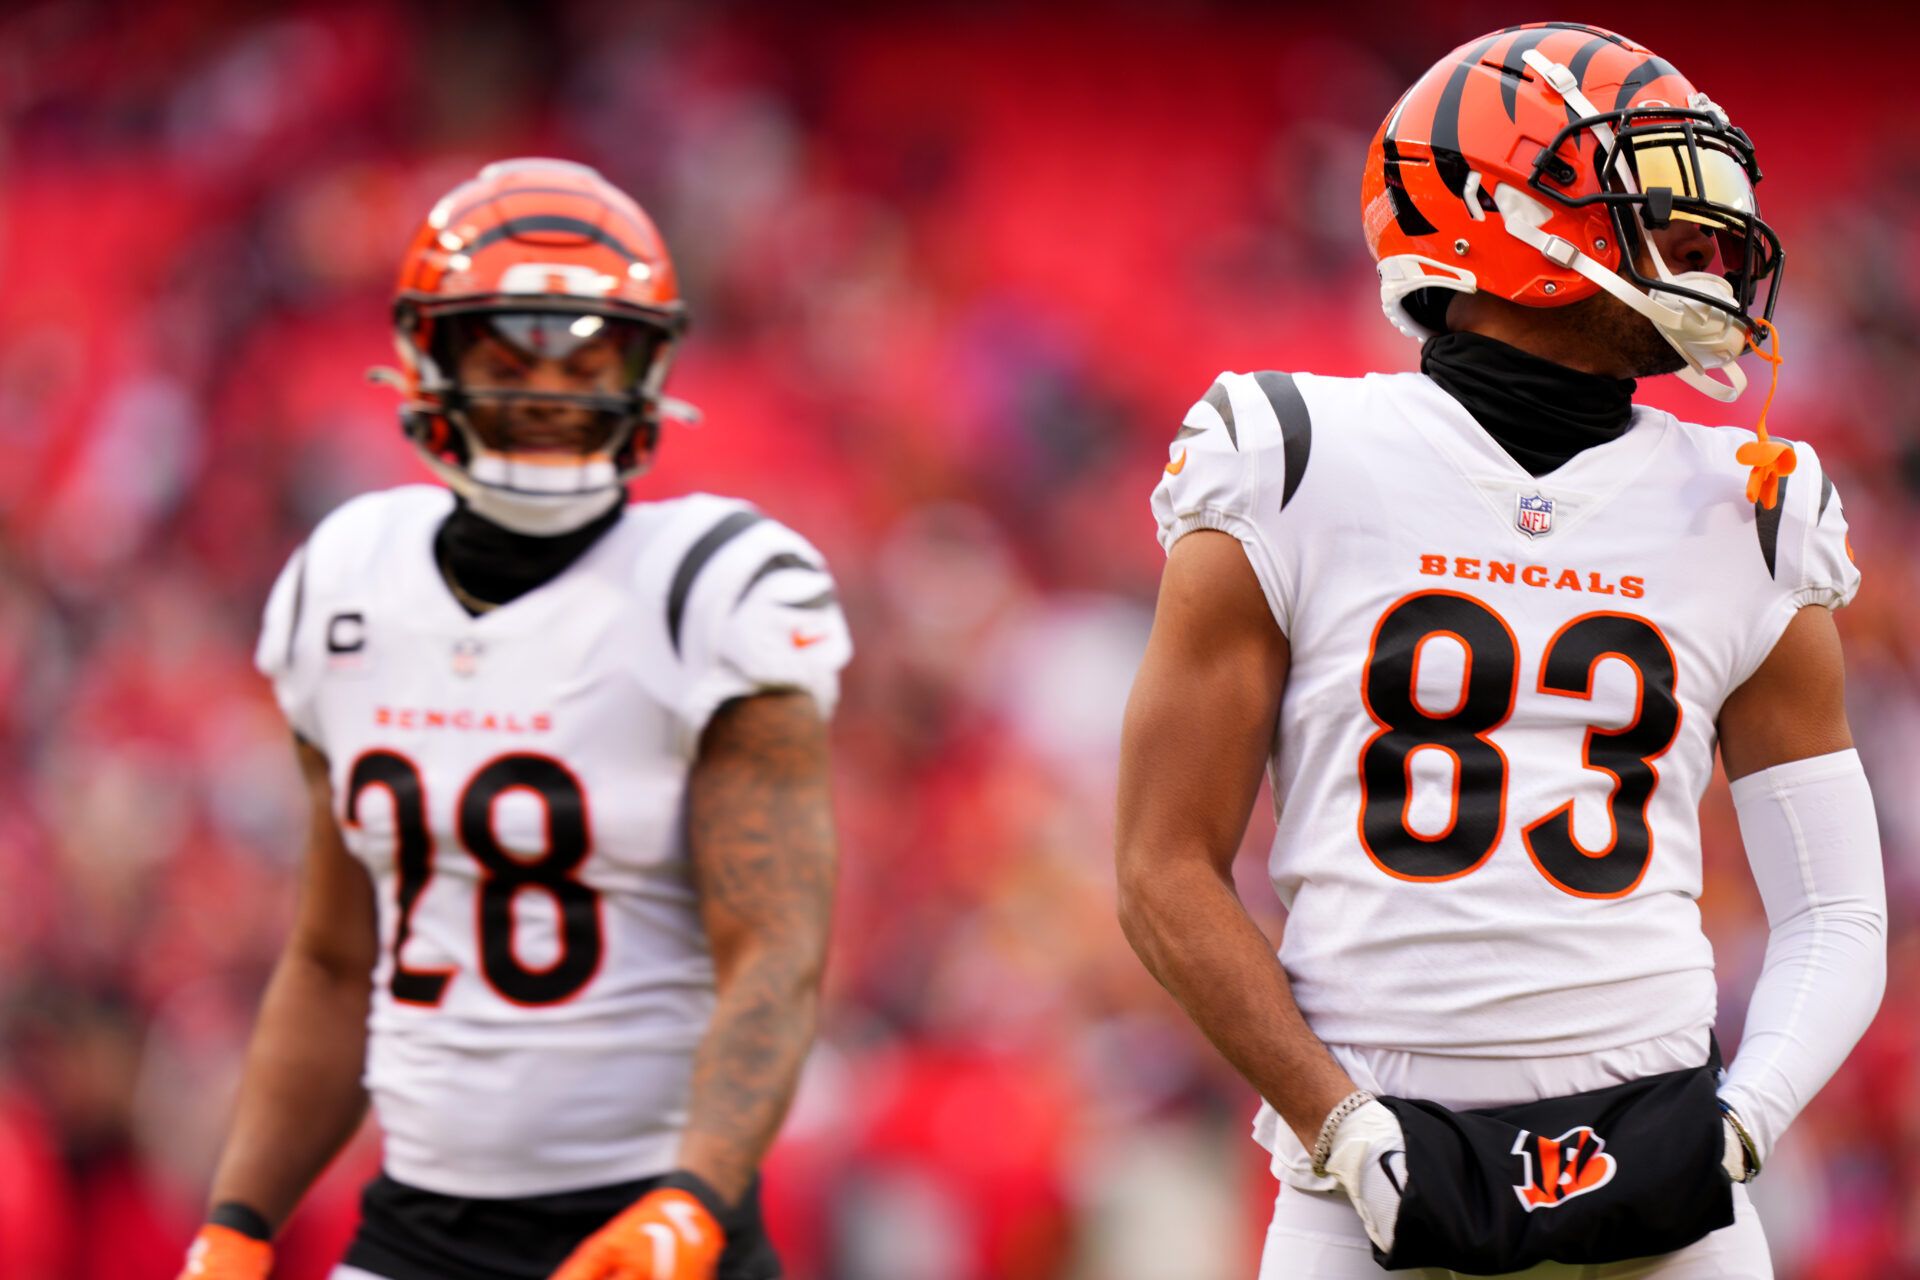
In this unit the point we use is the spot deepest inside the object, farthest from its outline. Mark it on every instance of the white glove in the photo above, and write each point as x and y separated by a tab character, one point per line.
1369	1161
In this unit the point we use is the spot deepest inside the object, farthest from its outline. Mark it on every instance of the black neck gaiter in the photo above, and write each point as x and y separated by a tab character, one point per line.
1540	412
498	565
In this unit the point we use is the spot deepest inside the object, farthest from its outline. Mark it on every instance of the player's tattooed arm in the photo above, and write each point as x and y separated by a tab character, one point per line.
760	822
301	1096
1198	727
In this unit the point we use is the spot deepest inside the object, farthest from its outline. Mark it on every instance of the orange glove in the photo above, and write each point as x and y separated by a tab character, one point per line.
665	1235
221	1253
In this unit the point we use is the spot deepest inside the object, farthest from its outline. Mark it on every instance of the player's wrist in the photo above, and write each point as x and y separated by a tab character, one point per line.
1365	1153
718	1207
237	1215
1741	1154
1330	1127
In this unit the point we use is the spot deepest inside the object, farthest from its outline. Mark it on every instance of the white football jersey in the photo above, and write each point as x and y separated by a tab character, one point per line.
515	785
1500	714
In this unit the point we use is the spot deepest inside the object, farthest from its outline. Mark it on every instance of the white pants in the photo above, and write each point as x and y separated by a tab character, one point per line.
1316	1236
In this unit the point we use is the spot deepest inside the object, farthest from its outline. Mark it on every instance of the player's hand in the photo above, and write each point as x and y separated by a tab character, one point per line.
221	1253
1369	1161
665	1235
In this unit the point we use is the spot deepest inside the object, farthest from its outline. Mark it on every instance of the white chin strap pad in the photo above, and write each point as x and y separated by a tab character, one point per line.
540	515
542	479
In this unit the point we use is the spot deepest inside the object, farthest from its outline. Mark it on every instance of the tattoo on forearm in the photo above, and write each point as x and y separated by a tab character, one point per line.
761	828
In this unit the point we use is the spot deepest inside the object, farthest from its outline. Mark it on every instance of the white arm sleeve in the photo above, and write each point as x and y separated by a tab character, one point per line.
1812	841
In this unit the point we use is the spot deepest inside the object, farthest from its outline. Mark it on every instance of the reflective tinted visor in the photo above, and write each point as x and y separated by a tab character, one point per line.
547	388
1710	187
552	335
1702	173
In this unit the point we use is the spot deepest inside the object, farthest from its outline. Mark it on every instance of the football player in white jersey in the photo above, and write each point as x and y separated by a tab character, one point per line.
571	855
1485	625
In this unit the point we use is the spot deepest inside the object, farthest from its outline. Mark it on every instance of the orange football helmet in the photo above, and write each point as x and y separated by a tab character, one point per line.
542	256
1531	163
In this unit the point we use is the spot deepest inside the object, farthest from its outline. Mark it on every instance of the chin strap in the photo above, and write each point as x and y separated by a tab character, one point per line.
1770	459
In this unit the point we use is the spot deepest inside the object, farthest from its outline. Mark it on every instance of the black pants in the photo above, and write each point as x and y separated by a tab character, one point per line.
410	1234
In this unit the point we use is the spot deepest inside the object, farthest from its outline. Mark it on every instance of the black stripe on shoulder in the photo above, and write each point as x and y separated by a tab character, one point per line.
1223	405
1296	427
696	559
774	564
299	601
821	601
1826	496
1766	522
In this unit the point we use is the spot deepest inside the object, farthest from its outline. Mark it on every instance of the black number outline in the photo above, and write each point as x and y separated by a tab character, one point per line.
412	856
1384	841
1550	841
504	876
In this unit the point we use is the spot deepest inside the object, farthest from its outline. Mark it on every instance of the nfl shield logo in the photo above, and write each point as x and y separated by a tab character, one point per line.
466	656
1535	516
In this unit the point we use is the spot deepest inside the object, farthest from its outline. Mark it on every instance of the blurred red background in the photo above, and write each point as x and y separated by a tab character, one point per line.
956	272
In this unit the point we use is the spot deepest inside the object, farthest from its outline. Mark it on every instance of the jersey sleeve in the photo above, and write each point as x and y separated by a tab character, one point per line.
1818	566
1803	544
770	619
284	654
1234	465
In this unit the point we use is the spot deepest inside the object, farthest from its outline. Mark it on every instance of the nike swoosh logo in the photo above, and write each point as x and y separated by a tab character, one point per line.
801	640
1178	465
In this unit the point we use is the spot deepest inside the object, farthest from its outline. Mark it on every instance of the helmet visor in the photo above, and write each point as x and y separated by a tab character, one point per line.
1706	177
1658	164
1708	185
549	388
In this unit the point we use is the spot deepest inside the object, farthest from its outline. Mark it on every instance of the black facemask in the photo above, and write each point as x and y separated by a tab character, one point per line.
498	565
1540	412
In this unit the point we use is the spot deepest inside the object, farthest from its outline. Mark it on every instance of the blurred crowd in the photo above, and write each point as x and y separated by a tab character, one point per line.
955	274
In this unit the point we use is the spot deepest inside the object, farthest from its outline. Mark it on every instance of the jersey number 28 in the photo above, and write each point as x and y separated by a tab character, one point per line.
503	876
1489	681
